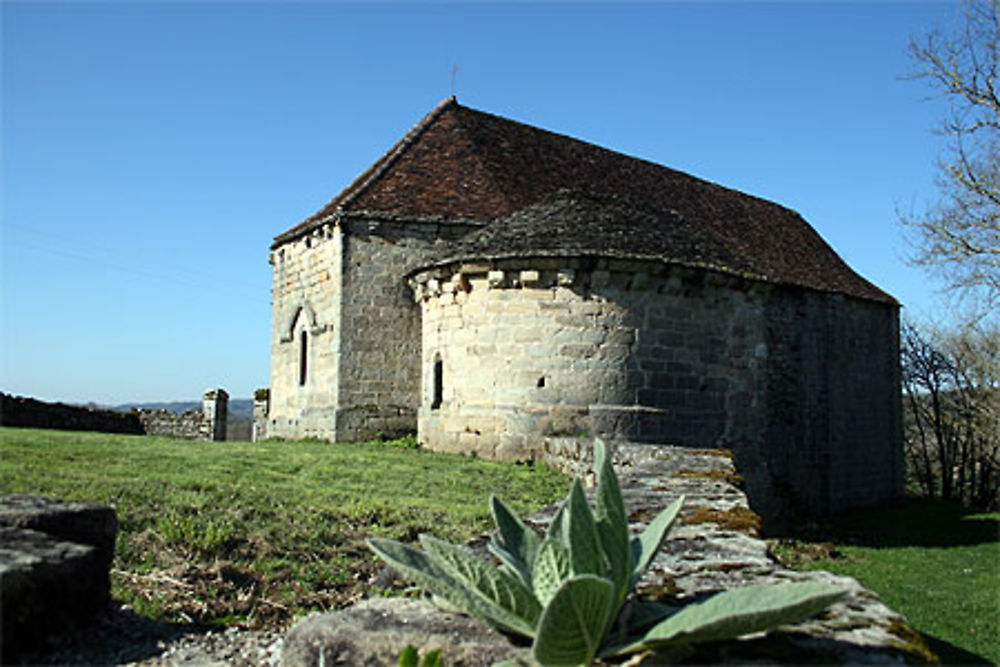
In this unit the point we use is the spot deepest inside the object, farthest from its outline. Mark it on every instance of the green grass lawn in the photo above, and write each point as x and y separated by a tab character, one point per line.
260	533
934	562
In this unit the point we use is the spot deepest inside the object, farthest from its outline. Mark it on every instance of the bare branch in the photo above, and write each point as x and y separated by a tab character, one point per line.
960	237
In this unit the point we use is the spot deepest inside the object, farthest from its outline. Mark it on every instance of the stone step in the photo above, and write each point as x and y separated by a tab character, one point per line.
55	560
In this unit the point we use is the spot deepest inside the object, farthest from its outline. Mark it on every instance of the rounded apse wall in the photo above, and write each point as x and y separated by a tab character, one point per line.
520	350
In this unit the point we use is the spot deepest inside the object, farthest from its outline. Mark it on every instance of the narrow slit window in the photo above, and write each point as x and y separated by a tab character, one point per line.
438	383
303	357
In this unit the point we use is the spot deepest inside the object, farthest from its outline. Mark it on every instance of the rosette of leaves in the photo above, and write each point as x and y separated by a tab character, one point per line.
571	592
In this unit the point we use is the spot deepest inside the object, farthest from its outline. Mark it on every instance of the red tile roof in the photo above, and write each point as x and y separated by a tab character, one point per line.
462	163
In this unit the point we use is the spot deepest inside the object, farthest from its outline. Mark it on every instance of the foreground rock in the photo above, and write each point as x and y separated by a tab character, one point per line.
716	547
55	560
374	632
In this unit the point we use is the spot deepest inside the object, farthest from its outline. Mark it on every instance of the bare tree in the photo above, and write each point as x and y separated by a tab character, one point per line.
975	355
960	236
951	384
927	450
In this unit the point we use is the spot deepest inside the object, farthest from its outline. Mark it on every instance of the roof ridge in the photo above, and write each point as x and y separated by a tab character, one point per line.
392	155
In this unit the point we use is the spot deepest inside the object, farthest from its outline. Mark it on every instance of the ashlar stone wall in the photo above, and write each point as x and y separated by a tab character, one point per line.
630	350
304	324
833	433
801	385
339	292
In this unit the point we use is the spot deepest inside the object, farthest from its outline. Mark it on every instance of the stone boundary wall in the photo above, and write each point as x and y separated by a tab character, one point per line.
345	340
261	407
164	422
24	412
715	546
206	423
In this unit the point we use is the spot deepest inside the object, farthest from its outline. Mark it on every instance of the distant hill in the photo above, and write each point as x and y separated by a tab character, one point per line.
238	407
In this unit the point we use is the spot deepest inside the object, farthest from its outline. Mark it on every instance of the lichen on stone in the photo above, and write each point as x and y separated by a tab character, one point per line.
728	476
912	643
739	519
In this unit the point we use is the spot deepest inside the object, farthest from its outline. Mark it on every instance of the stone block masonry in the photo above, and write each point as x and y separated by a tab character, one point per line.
261	407
625	350
345	354
800	384
206	423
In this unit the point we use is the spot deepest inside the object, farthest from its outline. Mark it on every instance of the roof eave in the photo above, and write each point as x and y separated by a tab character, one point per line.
882	297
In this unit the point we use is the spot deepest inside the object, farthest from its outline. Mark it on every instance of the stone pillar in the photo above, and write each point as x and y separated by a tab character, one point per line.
215	407
261	407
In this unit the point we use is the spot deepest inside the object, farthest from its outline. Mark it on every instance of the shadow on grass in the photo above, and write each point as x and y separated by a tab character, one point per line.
953	655
917	523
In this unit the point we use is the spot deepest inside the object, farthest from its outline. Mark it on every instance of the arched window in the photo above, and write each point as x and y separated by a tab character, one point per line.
438	383
303	357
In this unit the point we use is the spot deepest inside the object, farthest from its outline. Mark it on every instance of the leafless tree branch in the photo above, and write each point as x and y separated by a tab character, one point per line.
959	238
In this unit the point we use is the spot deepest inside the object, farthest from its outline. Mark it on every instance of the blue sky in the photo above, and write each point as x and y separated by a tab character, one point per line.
150	151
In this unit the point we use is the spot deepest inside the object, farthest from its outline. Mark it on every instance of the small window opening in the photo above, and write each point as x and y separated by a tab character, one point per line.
303	357
438	383
541	382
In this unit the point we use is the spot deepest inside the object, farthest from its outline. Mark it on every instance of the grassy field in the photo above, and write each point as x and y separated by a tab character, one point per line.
936	563
260	533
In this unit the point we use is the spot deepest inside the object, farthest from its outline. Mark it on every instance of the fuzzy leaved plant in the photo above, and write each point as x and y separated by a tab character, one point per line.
571	591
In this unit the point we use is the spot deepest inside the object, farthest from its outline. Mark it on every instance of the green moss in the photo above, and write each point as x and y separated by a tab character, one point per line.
663	589
721	453
912	644
728	476
739	519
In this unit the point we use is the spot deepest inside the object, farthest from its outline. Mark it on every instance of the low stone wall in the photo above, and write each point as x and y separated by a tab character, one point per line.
207	423
190	424
25	412
715	547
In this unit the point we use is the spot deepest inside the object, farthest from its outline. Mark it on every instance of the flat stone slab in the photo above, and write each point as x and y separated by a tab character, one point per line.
83	523
54	568
375	631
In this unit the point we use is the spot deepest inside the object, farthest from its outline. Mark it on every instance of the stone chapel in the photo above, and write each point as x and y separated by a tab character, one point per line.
491	285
